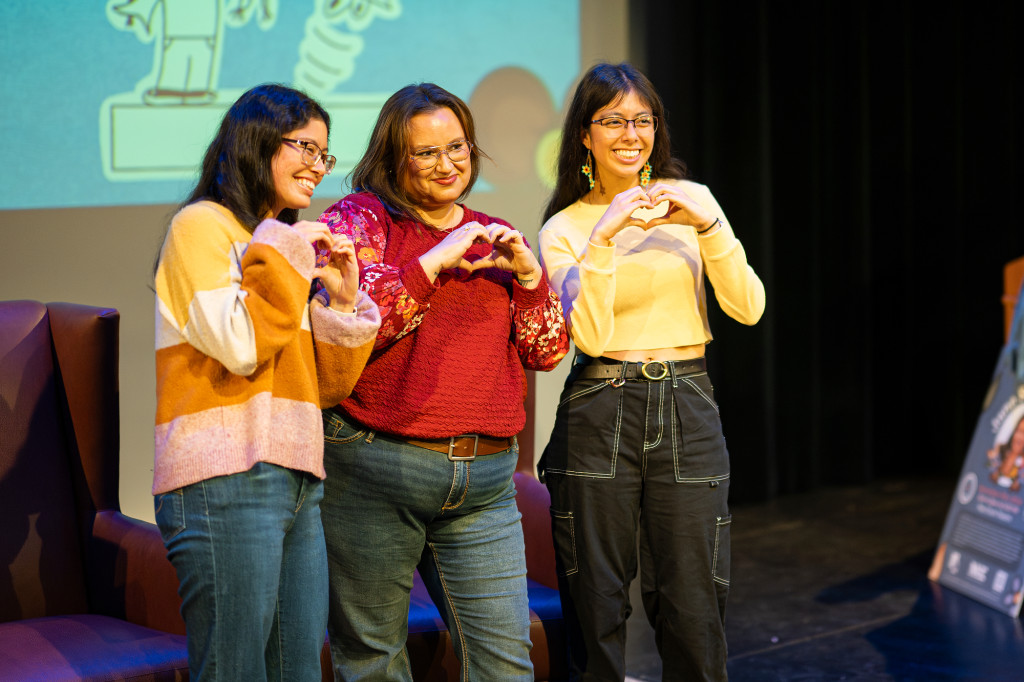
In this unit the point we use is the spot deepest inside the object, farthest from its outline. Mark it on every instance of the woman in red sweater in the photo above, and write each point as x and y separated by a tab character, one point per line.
420	458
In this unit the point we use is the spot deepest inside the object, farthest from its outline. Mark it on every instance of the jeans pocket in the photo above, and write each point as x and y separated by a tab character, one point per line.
701	384
337	430
721	568
170	513
698	447
585	439
564	537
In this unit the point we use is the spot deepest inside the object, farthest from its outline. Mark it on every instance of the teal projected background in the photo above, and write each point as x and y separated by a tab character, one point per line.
117	99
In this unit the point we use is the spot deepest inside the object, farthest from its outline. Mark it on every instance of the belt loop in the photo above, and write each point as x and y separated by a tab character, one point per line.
621	379
672	371
369	436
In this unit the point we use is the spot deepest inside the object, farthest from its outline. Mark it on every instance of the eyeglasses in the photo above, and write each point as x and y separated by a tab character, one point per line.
639	123
428	157
311	153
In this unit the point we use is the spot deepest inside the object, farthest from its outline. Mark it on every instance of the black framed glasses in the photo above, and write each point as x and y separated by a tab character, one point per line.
311	153
428	157
644	122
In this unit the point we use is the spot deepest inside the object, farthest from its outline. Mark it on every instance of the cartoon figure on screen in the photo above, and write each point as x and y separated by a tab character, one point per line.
188	39
327	56
1007	459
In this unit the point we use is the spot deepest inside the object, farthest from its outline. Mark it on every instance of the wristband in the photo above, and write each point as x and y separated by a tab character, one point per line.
709	227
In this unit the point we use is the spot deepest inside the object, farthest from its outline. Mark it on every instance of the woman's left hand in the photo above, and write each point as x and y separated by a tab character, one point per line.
340	276
682	208
511	253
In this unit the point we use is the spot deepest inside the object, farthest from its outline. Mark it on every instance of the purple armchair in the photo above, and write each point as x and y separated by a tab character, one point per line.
86	593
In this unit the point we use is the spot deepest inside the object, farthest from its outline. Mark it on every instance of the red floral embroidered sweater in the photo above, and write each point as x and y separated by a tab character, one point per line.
449	356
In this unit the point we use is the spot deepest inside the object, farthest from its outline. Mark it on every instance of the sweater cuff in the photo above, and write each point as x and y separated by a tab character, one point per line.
349	330
531	298
289	243
599	258
718	243
415	281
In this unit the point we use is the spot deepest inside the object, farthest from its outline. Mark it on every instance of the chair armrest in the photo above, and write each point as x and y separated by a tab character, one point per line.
130	576
535	506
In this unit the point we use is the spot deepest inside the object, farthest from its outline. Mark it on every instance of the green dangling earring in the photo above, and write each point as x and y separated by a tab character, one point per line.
588	170
645	175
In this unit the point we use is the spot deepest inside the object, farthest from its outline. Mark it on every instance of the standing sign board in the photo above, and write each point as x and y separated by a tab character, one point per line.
981	550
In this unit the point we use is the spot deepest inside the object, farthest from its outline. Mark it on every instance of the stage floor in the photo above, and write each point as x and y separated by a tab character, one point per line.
832	585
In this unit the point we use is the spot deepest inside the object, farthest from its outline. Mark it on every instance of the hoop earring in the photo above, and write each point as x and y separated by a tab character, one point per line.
645	175
588	170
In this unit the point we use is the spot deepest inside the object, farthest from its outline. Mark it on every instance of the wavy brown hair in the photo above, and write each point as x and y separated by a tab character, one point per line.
387	153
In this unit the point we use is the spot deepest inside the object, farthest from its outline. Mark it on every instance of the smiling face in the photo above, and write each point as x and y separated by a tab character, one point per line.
294	181
620	154
435	190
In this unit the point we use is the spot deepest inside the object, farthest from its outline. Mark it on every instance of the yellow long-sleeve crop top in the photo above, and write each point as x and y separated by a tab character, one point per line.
646	289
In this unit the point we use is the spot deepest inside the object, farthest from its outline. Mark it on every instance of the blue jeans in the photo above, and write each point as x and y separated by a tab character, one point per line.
641	459
391	507
249	553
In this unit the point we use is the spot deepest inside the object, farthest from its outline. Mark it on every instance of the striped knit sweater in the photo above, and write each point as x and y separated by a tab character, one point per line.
243	361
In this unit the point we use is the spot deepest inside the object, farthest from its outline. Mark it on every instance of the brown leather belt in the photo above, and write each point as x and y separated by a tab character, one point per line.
461	448
655	370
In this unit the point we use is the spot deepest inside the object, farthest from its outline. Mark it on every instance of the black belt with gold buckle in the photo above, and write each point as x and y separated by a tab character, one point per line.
651	370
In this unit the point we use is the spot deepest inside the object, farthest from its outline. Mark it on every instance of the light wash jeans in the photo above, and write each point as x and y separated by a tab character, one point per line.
249	553
389	508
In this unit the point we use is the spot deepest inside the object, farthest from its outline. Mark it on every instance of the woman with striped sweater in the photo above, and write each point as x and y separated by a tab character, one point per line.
244	363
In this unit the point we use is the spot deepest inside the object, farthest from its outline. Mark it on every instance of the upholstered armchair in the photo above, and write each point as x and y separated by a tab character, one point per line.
86	593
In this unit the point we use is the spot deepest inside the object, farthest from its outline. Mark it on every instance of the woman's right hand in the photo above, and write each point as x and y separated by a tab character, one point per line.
451	251
340	276
619	215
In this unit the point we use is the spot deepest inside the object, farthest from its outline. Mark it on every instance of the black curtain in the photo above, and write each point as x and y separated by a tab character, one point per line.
867	155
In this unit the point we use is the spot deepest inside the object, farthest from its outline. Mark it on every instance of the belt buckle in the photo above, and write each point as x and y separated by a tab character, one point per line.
664	370
452	457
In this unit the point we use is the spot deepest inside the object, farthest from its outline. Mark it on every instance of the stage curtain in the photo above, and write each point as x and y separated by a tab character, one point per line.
869	158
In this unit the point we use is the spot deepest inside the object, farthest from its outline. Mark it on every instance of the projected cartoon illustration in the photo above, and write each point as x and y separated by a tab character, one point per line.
131	91
327	56
187	35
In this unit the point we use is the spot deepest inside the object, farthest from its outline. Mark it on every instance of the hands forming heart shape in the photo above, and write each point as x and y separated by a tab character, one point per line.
682	210
660	220
509	251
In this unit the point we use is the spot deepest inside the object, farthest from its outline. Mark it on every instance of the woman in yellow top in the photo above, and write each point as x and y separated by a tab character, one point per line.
637	445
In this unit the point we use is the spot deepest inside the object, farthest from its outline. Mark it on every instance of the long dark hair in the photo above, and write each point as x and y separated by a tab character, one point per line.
236	170
599	87
386	156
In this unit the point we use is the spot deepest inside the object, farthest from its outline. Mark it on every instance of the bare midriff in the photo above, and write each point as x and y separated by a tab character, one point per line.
648	354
